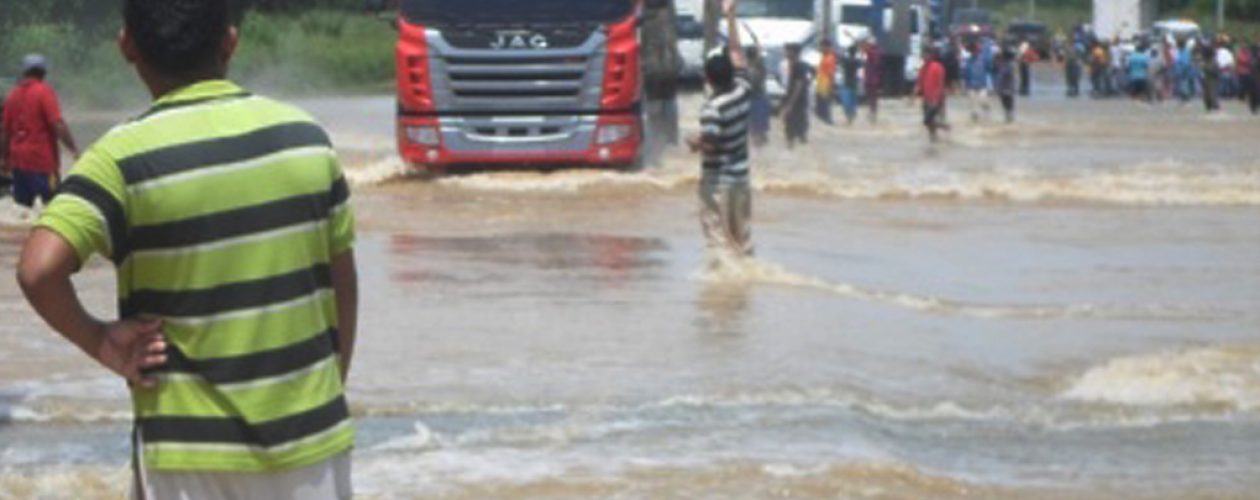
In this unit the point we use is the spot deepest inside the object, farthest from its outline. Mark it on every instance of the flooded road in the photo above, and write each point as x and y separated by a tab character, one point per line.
1068	307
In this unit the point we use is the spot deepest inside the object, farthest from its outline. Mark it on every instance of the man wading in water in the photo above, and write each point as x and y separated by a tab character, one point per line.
725	196
226	216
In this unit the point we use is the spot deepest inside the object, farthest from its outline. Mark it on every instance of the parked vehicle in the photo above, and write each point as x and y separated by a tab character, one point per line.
691	48
1179	29
900	26
552	82
970	25
1035	34
773	24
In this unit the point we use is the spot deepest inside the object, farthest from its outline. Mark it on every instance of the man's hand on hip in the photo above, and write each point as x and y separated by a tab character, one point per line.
131	347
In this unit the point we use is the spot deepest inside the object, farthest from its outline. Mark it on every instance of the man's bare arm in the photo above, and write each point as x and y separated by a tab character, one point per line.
738	58
4	151
345	280
126	347
66	138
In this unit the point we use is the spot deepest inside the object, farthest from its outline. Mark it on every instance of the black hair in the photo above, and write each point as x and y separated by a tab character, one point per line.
720	71
37	73
178	38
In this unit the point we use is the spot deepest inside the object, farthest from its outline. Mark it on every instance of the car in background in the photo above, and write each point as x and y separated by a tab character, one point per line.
773	25
691	49
1035	34
1178	29
970	25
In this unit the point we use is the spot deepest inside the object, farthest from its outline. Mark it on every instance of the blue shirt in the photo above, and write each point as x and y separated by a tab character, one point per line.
1139	65
976	72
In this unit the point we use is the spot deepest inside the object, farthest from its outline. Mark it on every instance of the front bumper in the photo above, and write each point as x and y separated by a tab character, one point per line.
562	140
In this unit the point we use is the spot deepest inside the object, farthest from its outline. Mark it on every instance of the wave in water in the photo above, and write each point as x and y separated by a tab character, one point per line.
1228	378
77	483
1154	183
730	271
505	474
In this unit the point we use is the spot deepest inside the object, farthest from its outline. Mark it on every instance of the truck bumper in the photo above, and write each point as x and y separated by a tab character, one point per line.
562	140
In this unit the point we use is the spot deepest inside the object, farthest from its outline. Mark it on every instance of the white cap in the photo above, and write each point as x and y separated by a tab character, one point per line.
34	61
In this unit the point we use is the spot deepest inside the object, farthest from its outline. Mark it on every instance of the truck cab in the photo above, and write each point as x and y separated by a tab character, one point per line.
772	25
509	82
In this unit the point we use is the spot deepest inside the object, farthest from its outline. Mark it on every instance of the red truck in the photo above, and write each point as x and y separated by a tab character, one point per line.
513	82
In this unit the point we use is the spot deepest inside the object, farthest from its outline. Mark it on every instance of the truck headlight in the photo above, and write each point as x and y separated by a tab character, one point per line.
611	134
424	135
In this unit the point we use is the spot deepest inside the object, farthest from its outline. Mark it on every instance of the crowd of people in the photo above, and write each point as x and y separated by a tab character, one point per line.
1168	68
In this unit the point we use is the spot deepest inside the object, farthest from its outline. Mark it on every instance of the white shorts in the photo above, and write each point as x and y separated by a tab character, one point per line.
327	480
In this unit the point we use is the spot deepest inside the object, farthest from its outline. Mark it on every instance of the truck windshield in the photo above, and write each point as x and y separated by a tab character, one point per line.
972	16
856	15
514	11
791	9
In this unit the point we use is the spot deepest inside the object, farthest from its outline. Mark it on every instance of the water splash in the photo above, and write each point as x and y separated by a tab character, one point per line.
848	178
1210	377
724	270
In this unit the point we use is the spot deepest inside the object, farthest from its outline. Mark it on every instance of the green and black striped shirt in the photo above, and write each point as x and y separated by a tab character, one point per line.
221	212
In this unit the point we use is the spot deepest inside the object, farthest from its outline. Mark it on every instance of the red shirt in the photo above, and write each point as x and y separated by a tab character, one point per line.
932	83
30	114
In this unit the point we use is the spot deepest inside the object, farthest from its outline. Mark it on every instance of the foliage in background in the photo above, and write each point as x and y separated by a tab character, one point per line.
331	47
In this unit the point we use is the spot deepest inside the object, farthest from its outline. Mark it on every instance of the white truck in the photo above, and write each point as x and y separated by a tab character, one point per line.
902	28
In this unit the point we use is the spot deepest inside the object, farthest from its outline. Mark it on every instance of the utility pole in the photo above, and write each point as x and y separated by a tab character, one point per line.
829	24
712	17
1032	10
1220	15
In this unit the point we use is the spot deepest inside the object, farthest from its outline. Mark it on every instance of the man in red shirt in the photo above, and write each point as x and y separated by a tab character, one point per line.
29	132
932	88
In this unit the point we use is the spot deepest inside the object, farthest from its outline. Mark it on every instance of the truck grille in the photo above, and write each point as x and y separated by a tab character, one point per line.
538	81
499	78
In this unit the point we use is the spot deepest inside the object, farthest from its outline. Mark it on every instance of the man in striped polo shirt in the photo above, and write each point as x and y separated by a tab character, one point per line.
725	195
226	218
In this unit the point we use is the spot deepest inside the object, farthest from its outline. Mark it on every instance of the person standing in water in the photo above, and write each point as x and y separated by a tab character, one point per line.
1072	69
31	126
1254	101
725	193
851	66
932	88
1005	83
1211	77
873	74
826	83
1140	74
1027	56
661	65
227	218
976	76
795	108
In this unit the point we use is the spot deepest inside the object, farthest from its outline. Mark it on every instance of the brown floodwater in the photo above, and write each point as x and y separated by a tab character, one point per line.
1066	307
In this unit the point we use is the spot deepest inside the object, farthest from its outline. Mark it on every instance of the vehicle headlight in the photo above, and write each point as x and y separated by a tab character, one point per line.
425	135
610	134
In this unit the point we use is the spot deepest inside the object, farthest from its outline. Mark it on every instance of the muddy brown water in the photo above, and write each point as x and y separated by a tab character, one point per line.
1066	307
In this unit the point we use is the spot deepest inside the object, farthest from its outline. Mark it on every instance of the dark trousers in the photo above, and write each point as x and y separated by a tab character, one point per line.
1211	85
1008	105
1246	87
1025	79
29	186
1255	95
1073	79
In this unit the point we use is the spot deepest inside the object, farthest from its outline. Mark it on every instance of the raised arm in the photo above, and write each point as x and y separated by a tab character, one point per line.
738	58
